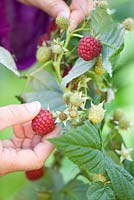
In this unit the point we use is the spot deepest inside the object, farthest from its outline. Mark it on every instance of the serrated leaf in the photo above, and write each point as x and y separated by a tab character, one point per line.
79	68
83	146
44	80
109	33
122	181
7	61
74	190
99	191
51	99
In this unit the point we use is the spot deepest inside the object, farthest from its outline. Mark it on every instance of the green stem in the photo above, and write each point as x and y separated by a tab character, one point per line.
42	67
59	59
108	45
77	35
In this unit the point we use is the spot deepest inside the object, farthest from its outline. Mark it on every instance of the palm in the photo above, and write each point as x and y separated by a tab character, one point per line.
25	151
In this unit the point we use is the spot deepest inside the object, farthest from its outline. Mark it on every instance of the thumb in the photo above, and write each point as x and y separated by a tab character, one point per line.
18	114
52	7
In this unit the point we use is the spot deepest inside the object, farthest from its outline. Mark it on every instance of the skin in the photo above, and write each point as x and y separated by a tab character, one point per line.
75	13
25	150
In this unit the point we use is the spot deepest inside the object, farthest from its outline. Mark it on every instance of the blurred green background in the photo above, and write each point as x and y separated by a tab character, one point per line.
123	78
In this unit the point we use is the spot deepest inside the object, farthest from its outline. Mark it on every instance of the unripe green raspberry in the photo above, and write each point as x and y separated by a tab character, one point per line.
128	24
67	96
73	113
99	177
102	4
118	114
62	22
124	124
56	49
62	116
76	100
99	69
96	113
43	54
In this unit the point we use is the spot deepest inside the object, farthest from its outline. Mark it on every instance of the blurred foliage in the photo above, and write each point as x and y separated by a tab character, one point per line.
122	9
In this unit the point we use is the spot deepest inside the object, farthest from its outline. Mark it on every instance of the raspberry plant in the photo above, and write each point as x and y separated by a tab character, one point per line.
78	92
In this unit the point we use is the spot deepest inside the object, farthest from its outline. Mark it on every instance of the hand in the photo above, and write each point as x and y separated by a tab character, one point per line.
76	13
26	150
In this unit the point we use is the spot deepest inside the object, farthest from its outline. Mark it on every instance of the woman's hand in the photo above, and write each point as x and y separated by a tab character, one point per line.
76	12
26	150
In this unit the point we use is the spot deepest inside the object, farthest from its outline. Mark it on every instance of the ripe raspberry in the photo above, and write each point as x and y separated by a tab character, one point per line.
96	113
62	22
98	68
43	38
66	70
52	26
34	175
43	54
89	48
43	123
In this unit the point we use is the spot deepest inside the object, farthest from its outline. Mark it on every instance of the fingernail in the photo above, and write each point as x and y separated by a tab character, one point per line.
33	107
64	14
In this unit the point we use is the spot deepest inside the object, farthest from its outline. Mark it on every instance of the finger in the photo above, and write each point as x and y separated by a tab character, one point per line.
52	7
28	131
18	114
79	9
44	148
19	131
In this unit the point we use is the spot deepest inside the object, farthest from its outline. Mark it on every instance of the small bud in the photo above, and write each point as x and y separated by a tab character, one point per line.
73	113
118	114
76	100
66	97
128	24
62	116
124	124
56	49
99	69
96	113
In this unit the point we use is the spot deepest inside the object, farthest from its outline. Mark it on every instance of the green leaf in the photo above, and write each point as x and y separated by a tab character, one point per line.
44	80
74	190
7	61
122	181
83	146
80	67
99	191
51	99
47	91
109	33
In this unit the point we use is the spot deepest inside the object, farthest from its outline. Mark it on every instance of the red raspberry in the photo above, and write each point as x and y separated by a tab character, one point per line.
43	123
43	38
52	26
89	48
66	70
34	175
